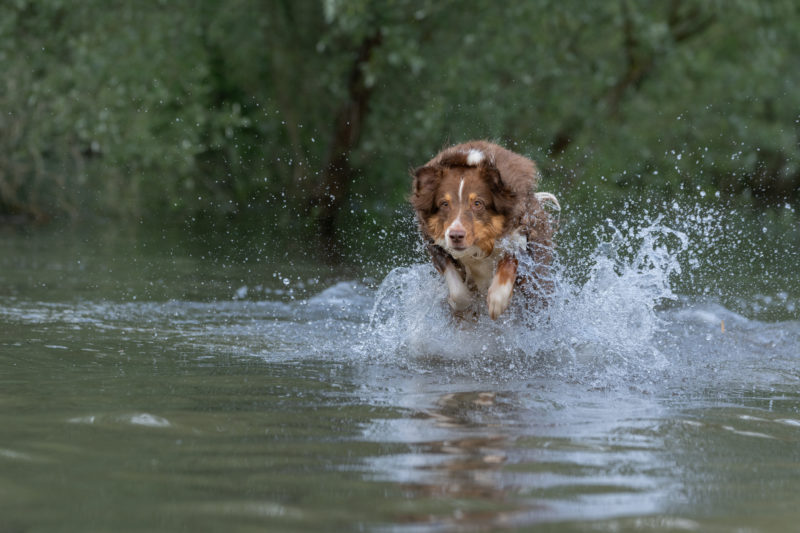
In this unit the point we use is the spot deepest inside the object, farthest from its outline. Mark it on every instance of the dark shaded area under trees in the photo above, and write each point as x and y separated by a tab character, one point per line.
307	115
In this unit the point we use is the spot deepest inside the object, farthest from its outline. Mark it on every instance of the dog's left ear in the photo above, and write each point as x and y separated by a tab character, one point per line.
504	197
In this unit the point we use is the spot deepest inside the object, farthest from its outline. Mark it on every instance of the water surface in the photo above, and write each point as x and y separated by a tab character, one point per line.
149	386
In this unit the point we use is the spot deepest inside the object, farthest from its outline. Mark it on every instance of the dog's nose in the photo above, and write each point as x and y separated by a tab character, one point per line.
457	236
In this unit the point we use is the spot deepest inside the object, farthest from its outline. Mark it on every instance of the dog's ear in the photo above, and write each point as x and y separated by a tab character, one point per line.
503	197
423	190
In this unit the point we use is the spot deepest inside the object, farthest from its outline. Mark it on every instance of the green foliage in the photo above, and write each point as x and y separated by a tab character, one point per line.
189	107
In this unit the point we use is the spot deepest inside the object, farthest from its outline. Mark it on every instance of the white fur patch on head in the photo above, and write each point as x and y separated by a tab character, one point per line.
475	157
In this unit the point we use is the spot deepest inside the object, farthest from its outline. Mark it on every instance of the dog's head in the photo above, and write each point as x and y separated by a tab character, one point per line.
462	203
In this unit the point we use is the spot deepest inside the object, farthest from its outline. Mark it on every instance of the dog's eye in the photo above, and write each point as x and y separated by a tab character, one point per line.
477	204
444	203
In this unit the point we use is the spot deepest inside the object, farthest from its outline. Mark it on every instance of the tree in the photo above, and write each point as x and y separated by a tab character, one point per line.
307	115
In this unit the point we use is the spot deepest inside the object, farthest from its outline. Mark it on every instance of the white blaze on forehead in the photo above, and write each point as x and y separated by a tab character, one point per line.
456	224
474	157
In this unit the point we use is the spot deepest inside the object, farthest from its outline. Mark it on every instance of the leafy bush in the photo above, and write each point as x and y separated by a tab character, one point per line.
301	112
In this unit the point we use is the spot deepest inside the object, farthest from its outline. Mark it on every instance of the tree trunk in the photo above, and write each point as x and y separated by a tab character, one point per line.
338	174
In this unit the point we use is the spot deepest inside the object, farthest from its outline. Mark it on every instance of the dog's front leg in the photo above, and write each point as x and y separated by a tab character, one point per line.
459	296
459	292
502	285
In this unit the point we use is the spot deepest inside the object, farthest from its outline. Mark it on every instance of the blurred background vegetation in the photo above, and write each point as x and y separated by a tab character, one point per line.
306	115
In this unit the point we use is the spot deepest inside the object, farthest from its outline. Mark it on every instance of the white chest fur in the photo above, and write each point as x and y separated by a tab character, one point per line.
480	271
480	268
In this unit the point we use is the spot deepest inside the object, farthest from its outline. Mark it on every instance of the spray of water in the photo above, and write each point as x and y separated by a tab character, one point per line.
641	297
601	314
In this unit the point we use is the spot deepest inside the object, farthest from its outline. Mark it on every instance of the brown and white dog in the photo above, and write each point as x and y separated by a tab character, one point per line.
478	209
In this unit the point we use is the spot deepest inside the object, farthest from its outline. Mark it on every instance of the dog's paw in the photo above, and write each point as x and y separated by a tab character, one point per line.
498	298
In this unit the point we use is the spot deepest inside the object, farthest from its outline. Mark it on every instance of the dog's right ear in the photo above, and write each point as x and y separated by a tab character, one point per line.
423	190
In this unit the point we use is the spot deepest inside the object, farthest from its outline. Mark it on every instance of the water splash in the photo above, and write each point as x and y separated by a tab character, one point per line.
602	315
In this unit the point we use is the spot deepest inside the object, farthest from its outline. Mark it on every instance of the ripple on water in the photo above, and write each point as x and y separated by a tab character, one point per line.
134	419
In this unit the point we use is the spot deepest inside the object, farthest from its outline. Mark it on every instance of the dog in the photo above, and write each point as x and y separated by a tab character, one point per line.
479	212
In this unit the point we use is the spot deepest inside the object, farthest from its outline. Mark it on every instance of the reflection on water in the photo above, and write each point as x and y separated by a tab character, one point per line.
521	458
355	407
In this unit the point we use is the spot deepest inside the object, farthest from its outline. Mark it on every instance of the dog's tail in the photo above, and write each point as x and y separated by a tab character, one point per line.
551	206
548	200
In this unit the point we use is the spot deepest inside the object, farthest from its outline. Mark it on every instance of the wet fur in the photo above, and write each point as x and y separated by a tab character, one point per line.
488	194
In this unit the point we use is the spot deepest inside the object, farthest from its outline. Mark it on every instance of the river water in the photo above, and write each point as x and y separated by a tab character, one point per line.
146	385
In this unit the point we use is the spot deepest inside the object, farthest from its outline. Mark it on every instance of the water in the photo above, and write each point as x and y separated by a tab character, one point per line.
163	386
